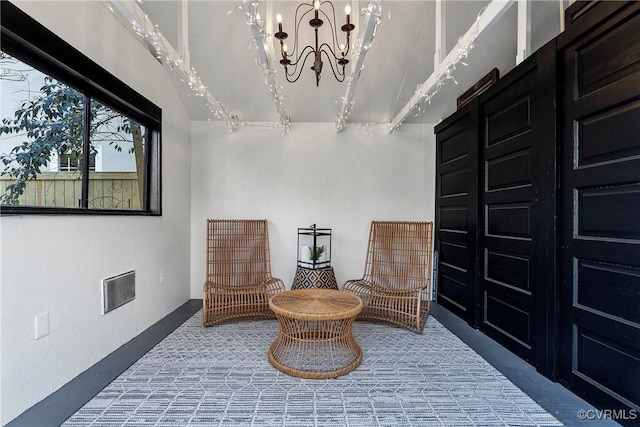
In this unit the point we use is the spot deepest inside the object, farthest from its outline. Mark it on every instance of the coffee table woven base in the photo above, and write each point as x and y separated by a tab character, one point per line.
315	339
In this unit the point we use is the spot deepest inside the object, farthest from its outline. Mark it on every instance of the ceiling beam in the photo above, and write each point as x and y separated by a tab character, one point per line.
375	17
258	34
524	31
487	18
441	34
183	32
138	22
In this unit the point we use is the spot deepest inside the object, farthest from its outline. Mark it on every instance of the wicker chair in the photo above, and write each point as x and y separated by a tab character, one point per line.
396	286
239	282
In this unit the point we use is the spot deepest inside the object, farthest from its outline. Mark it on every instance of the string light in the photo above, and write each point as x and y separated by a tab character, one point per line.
252	16
165	54
424	95
374	9
162	50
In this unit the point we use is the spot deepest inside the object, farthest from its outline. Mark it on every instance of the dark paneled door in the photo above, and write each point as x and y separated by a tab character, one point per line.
600	260
457	211
517	257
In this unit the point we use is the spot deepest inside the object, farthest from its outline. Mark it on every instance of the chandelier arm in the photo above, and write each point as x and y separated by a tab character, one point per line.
340	75
330	50
334	30
299	70
297	61
348	44
296	28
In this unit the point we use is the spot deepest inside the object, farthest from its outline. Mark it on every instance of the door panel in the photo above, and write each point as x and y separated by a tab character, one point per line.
600	289
457	212
511	170
496	181
512	120
622	281
517	272
507	308
619	126
508	220
454	183
508	270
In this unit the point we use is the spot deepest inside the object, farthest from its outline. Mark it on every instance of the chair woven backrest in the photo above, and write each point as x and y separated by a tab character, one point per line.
237	251
399	255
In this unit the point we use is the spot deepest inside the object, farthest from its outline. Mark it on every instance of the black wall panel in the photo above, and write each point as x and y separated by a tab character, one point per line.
538	208
457	212
517	158
600	261
495	178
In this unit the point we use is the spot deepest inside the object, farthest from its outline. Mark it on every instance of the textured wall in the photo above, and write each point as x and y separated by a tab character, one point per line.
310	175
55	264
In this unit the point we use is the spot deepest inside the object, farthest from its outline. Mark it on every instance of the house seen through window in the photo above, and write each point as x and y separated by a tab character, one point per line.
69	162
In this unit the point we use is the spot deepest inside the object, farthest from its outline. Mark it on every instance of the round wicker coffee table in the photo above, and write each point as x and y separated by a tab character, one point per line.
315	339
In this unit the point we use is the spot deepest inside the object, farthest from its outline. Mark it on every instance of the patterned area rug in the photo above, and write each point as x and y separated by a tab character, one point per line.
221	376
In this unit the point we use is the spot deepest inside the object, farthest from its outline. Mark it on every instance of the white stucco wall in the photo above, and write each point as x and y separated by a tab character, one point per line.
55	264
310	175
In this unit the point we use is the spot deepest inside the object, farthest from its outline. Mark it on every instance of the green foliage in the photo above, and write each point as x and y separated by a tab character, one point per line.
315	255
52	122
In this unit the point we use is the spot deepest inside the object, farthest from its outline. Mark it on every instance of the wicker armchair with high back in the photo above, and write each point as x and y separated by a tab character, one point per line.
396	286
239	282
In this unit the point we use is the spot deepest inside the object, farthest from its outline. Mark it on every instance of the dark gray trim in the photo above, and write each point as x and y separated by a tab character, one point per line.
60	405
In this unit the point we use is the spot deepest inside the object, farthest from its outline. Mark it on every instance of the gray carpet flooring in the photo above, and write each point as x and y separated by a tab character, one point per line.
221	376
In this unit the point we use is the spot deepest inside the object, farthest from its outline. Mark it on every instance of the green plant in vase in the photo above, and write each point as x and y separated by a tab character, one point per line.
316	253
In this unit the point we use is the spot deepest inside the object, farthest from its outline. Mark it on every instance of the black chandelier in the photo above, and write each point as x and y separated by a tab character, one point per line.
293	69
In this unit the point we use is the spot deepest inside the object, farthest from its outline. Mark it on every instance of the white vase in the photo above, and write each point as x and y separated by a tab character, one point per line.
304	254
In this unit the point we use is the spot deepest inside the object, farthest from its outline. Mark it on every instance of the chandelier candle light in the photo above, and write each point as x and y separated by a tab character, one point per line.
300	56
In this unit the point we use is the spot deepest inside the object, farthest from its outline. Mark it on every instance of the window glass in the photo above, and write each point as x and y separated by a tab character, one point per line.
41	138
70	162
120	145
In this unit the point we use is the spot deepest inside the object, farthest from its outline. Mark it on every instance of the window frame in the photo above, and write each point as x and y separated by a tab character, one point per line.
25	39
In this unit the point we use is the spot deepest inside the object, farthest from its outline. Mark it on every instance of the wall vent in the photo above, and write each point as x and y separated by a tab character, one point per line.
118	290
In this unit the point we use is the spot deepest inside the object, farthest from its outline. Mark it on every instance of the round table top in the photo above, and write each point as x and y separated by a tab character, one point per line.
316	304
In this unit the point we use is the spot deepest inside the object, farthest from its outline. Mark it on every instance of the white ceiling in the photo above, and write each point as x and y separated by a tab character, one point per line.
401	57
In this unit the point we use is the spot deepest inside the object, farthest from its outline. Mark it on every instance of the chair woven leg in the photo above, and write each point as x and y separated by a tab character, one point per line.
239	282
396	286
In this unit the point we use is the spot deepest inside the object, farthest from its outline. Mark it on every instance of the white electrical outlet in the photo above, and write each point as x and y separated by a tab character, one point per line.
41	325
162	274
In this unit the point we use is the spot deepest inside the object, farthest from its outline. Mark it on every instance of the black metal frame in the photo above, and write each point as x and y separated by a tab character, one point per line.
315	232
27	40
301	56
